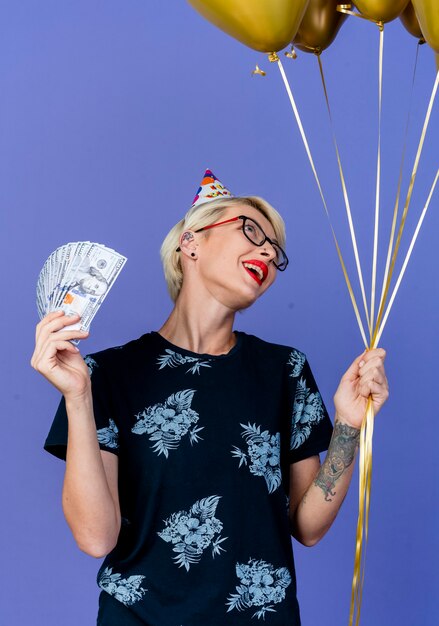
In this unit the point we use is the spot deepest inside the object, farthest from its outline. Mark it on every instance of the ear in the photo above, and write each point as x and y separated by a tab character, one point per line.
188	245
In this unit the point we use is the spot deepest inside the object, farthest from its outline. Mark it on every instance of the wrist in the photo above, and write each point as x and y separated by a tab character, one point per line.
349	428
77	399
350	423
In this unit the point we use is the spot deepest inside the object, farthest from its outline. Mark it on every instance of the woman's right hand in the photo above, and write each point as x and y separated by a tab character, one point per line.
57	359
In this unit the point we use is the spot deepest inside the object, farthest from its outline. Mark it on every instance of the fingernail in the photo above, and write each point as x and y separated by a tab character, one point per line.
361	363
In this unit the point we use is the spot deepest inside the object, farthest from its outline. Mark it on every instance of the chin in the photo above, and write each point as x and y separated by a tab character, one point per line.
244	299
237	296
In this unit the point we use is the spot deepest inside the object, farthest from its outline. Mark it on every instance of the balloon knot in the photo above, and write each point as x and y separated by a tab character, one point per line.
341	8
272	57
292	54
258	71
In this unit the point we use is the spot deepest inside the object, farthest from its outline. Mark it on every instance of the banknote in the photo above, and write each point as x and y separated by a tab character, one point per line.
76	278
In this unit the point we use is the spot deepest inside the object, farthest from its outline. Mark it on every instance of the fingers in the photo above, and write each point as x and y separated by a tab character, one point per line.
59	345
367	371
48	318
370	355
374	386
366	360
352	372
53	338
372	376
372	364
45	359
50	337
53	322
377	391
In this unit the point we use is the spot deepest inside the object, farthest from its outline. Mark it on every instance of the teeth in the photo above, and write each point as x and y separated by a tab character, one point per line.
256	268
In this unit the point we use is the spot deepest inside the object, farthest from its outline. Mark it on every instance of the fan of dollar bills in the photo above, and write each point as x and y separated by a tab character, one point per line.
76	278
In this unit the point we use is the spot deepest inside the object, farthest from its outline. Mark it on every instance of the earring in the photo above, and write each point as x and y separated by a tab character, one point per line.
192	254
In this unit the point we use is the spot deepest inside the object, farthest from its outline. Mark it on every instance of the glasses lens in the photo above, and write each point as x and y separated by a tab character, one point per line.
281	260
256	235
253	232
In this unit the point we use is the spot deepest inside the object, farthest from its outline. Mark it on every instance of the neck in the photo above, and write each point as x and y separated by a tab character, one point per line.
205	326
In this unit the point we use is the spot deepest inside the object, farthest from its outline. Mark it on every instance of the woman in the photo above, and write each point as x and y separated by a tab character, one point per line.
193	452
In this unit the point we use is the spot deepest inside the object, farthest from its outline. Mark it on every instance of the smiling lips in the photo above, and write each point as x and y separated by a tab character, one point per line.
257	270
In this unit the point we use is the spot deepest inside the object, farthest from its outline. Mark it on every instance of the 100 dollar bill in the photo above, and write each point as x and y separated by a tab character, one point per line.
87	283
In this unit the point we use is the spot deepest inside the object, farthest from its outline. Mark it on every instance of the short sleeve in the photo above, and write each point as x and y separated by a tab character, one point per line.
311	427
106	427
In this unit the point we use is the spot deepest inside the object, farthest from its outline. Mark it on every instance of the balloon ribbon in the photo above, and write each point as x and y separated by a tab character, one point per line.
380	320
345	194
365	456
398	192
378	183
275	58
375	327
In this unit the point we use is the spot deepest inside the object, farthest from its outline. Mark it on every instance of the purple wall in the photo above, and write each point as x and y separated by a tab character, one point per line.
109	113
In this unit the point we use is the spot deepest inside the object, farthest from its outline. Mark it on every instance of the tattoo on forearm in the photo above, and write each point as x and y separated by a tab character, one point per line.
340	455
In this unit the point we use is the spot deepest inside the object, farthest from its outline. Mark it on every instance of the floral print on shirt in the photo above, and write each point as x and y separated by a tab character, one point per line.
263	453
109	436
126	590
91	364
260	586
166	423
308	411
297	361
173	359
191	532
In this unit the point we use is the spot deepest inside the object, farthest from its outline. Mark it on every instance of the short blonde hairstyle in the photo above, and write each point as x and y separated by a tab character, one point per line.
203	215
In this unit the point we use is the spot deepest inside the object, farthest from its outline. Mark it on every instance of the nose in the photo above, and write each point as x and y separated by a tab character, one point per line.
268	251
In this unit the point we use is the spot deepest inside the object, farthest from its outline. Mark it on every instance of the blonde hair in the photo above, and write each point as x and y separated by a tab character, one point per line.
203	215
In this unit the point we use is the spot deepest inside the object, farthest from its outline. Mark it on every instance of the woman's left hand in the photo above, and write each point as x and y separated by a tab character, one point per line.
365	377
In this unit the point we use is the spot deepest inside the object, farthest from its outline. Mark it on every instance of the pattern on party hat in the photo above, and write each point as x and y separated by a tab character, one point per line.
210	189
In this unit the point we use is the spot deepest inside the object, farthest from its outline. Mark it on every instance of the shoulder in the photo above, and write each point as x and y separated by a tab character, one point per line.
286	355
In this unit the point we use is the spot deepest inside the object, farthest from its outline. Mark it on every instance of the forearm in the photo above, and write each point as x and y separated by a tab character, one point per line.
87	501
320	504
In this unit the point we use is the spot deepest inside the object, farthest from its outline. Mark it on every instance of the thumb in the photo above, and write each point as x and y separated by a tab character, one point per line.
352	372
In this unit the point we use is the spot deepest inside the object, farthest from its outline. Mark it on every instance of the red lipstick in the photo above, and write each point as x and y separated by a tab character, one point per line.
257	269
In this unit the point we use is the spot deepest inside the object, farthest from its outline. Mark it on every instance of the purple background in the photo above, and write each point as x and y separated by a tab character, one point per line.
109	113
